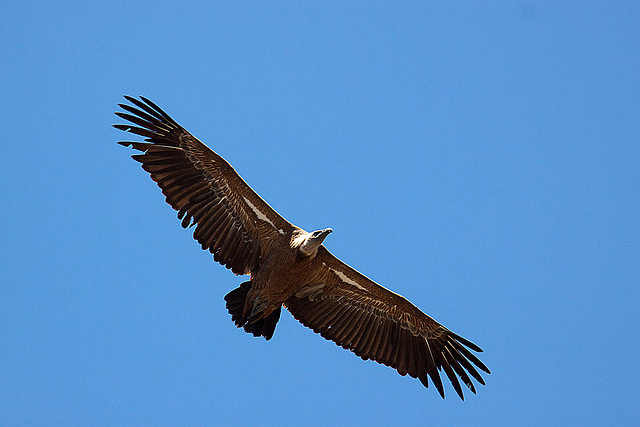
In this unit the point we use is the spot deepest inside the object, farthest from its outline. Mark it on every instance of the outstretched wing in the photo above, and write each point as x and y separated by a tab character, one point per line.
230	219
375	323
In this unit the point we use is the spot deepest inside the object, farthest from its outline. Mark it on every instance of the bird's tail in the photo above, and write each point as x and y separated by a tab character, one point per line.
265	326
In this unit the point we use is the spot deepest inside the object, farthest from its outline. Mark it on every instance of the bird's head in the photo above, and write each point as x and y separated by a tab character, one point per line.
313	241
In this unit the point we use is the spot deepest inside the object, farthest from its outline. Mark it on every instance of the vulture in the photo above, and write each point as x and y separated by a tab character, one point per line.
288	266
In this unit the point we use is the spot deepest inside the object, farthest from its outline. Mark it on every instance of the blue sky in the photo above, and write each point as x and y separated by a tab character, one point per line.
480	159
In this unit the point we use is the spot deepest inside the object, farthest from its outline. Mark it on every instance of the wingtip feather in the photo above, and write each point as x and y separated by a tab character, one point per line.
466	342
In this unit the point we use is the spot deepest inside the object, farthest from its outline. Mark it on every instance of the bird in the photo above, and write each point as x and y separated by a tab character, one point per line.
288	266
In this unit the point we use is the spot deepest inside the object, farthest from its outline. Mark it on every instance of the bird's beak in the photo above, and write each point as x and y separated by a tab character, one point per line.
324	234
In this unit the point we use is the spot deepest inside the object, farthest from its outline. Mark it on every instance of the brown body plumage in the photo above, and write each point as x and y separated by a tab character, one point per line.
288	266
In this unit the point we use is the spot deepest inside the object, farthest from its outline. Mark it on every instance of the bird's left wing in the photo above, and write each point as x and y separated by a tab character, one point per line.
231	220
375	323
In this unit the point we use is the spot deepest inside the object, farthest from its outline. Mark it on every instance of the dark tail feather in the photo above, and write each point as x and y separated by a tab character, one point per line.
235	304
264	327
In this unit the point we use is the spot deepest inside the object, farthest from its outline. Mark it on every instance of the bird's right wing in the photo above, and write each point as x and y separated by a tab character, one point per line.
231	220
359	315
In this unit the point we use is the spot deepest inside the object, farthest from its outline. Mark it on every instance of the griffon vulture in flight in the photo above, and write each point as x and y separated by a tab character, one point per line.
289	266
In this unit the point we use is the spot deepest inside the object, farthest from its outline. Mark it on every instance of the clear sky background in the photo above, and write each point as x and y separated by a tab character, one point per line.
481	159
